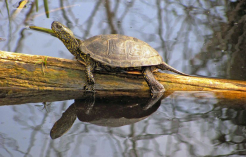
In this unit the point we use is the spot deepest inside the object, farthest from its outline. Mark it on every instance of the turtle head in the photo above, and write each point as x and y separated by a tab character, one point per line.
66	36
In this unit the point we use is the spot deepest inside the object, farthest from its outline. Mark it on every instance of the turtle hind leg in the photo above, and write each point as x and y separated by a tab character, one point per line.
155	86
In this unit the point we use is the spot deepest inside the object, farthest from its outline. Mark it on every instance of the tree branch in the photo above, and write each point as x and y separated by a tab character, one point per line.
34	78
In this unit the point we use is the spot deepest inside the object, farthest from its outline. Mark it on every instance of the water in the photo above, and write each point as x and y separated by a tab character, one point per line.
195	37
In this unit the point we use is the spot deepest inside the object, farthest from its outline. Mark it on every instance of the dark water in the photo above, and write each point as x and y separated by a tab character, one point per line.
196	37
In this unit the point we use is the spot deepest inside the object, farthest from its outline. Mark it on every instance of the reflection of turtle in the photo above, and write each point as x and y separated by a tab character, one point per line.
114	52
113	112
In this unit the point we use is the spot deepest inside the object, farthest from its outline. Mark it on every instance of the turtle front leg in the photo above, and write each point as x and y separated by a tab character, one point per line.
155	86
89	68
89	74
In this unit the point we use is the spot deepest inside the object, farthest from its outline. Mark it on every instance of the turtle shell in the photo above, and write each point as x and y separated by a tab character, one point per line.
120	51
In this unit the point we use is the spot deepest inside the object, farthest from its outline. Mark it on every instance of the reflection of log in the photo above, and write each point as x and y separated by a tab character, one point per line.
22	77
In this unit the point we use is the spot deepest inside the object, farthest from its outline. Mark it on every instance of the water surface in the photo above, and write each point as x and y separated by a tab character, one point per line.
195	37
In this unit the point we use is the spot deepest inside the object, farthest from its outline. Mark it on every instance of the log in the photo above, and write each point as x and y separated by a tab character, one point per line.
35	78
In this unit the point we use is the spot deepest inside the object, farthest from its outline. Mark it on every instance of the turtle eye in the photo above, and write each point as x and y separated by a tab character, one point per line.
58	26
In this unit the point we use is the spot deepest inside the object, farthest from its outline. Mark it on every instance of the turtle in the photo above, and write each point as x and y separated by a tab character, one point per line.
114	51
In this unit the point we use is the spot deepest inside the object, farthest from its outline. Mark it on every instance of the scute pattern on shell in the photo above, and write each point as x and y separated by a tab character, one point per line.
120	51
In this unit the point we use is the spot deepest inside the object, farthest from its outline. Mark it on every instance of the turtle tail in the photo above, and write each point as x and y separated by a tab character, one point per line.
165	66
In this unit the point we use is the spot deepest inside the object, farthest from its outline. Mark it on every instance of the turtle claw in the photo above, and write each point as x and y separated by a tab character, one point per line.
89	88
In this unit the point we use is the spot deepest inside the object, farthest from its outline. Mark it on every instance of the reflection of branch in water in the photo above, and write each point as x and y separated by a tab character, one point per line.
110	16
64	12
160	30
89	21
28	121
128	7
226	47
22	38
8	142
194	24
